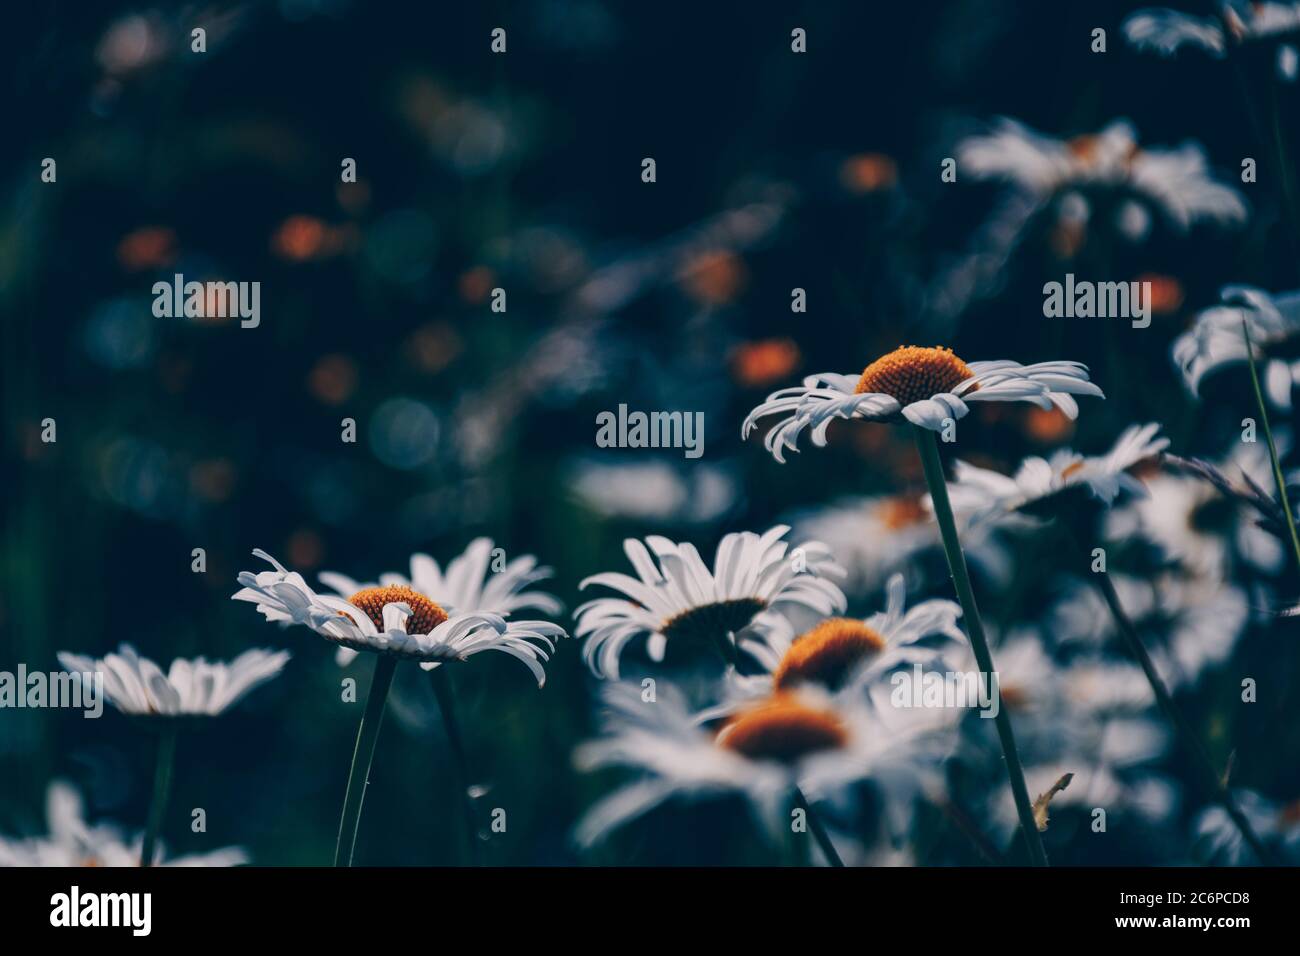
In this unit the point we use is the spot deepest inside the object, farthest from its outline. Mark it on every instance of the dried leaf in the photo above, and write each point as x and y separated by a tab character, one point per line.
1040	805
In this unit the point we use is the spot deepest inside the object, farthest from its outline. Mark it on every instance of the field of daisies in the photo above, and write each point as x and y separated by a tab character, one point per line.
951	573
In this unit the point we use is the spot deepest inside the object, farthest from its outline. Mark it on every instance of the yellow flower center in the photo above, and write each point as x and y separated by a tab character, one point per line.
911	373
425	615
784	730
827	654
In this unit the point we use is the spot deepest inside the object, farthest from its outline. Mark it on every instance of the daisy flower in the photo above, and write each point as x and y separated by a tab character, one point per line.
396	622
1176	182
402	622
468	586
1192	522
803	742
72	841
987	494
1216	340
137	686
840	653
925	386
676	598
1237	25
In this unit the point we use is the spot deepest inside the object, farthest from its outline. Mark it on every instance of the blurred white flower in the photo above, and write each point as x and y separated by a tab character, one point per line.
654	490
675	597
874	537
1190	625
1166	31
136	685
821	745
396	620
1217	339
1221	841
925	386
72	841
1176	182
1237	24
1193	523
985	494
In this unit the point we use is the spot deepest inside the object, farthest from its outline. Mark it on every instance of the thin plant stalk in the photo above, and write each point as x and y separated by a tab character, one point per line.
818	831
934	477
443	693
1272	448
1190	742
162	786
362	756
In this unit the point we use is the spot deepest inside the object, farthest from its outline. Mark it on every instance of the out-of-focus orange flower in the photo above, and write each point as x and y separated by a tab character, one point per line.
475	285
869	173
149	247
333	379
305	548
1166	293
714	277
434	346
303	238
213	479
1047	425
755	364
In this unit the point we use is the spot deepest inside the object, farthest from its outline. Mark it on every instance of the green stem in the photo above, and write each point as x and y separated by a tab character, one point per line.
1191	743
362	756
1272	449
929	449
442	691
818	831
162	786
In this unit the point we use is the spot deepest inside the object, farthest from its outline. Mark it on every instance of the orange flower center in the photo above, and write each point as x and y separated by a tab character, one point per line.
902	512
425	615
1013	696
1087	149
912	374
784	730
828	654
